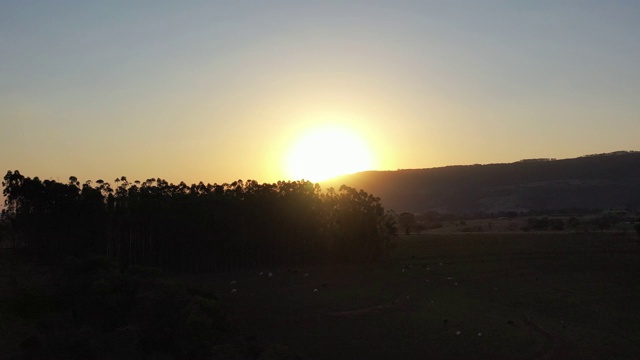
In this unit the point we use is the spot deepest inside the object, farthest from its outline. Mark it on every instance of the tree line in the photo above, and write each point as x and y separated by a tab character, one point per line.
198	227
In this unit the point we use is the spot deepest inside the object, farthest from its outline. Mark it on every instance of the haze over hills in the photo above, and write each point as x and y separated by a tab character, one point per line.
599	182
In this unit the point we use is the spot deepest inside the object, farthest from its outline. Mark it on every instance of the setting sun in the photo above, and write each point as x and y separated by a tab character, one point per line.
326	152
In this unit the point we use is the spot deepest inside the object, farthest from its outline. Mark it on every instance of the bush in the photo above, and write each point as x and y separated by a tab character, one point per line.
131	315
32	303
556	224
477	228
100	312
178	323
96	292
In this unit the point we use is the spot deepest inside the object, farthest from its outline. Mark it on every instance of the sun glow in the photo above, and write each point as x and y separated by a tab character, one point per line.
326	152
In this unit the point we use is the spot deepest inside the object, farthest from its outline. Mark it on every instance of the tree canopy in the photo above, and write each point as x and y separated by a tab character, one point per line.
197	227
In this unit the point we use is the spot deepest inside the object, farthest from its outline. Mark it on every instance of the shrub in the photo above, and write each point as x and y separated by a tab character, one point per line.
96	292
32	303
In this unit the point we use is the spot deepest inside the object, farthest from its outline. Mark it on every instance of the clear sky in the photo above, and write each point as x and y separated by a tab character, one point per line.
221	90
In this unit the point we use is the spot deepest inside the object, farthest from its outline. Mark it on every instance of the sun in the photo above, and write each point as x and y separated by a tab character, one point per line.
325	152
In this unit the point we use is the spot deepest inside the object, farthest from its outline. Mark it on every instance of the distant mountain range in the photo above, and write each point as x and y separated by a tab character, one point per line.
598	182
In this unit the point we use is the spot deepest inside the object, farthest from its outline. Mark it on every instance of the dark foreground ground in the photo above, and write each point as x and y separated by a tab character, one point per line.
445	296
465	296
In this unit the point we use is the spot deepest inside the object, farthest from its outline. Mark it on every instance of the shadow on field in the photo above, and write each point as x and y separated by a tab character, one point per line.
470	296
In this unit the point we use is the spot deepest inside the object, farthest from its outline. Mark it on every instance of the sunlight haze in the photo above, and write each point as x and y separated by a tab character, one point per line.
326	152
217	91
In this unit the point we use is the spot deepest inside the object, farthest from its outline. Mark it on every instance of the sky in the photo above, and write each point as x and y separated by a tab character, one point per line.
217	91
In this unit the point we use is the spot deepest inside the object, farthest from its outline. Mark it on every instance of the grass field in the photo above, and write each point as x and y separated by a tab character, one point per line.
438	296
455	296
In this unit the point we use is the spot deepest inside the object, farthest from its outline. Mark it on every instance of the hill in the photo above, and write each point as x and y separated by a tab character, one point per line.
602	181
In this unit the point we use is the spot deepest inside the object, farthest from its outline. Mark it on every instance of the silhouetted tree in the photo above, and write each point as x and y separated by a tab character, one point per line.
197	227
406	220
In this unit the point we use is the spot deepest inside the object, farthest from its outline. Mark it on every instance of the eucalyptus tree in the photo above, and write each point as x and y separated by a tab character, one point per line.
197	227
358	226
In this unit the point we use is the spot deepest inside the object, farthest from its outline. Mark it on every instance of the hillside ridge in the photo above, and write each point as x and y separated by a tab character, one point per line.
598	181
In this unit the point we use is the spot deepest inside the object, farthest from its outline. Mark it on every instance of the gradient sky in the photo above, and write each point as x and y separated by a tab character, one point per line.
217	91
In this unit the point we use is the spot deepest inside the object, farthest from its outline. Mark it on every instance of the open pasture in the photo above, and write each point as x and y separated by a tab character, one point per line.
456	296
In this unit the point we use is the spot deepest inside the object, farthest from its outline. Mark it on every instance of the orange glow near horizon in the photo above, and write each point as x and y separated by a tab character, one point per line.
324	152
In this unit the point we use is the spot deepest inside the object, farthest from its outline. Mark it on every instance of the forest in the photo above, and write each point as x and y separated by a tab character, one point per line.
195	228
